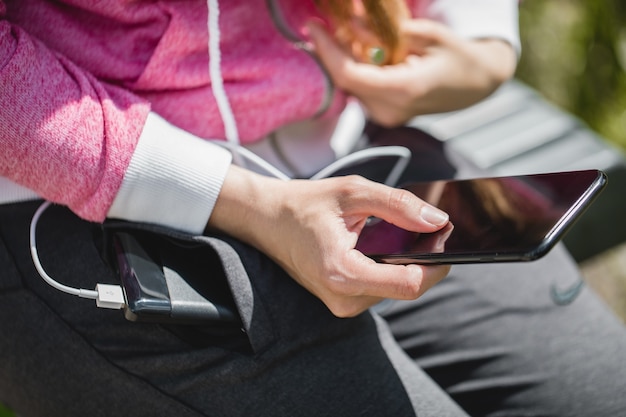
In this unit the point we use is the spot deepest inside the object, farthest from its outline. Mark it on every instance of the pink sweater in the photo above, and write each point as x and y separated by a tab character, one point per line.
78	79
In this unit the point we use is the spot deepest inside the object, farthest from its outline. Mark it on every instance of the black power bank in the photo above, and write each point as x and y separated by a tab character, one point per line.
169	281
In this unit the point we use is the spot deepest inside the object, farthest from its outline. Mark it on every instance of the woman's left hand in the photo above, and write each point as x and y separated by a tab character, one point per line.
442	71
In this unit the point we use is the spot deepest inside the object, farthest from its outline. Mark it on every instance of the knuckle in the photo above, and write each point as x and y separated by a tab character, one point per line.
352	185
354	182
415	92
344	76
400	199
420	282
397	113
337	286
341	303
341	285
413	282
344	309
413	288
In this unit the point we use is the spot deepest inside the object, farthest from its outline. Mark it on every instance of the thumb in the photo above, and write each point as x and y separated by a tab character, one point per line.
396	206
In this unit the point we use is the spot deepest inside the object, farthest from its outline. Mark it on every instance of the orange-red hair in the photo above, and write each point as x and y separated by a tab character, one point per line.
382	18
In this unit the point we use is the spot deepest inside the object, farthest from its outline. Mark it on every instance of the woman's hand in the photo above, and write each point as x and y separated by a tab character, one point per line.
310	228
442	71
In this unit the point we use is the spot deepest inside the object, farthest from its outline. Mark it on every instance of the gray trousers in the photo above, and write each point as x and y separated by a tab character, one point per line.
489	340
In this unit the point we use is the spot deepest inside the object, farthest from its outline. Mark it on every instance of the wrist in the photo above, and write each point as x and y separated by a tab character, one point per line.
498	58
247	206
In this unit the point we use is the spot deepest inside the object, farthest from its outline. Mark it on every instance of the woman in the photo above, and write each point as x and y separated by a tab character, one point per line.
107	108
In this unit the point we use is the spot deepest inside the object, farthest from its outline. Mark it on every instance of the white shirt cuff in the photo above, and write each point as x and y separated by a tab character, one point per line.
174	178
480	18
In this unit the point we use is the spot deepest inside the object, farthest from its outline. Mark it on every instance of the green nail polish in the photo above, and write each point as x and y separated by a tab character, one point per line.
376	55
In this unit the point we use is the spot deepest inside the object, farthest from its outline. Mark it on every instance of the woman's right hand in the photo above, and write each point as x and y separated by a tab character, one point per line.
310	228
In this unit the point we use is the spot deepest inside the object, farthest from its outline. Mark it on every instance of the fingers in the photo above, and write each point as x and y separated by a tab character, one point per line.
367	282
401	207
322	235
387	92
402	282
350	282
396	206
421	34
347	73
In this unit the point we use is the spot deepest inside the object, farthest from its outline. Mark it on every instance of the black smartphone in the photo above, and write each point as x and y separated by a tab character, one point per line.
498	219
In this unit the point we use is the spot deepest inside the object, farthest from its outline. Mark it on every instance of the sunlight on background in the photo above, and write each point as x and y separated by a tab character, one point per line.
574	53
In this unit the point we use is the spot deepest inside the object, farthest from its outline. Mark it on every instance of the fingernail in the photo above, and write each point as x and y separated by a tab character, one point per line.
434	216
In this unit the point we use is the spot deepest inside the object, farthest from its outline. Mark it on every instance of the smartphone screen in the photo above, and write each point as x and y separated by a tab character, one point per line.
518	218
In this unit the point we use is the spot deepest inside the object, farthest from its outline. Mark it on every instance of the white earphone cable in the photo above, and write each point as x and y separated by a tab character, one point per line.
111	296
217	81
215	73
403	154
245	153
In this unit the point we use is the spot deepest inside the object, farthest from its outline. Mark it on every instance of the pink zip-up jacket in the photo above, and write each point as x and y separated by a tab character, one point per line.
103	102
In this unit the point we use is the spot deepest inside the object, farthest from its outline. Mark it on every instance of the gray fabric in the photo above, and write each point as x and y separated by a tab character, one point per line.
427	397
489	340
478	339
68	358
495	340
50	365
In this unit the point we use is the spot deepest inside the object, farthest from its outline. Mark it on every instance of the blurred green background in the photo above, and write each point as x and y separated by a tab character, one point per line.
574	54
4	412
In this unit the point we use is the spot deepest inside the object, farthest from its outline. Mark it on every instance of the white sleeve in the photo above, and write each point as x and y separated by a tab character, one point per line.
479	18
173	178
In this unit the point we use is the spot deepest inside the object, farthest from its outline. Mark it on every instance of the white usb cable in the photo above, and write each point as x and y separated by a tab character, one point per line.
106	295
112	296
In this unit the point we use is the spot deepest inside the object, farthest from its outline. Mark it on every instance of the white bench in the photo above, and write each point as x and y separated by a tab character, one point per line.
516	131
